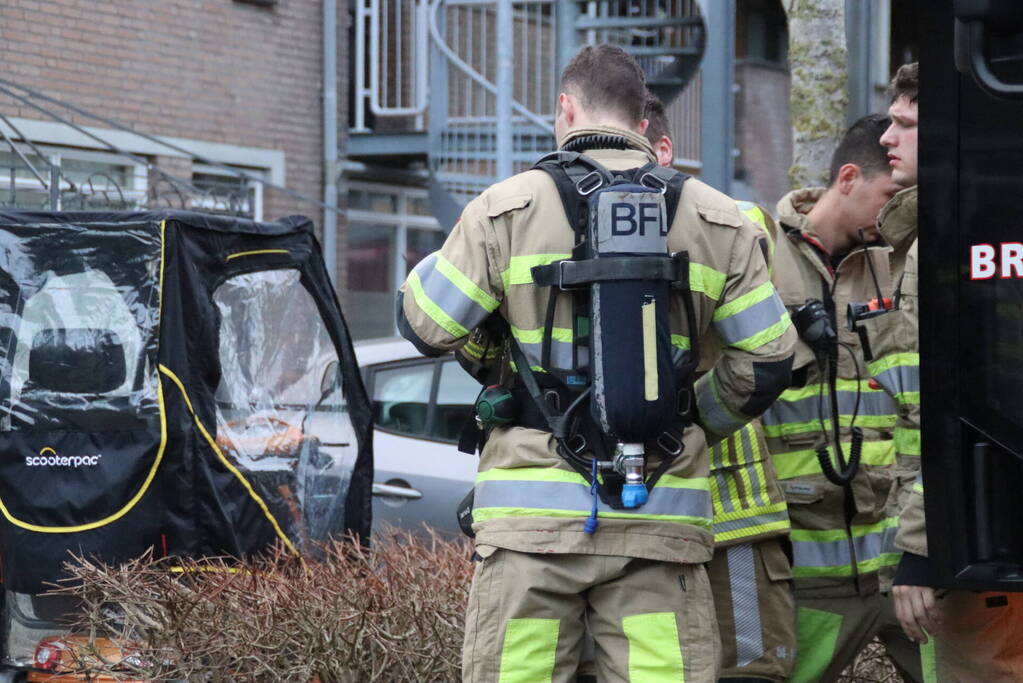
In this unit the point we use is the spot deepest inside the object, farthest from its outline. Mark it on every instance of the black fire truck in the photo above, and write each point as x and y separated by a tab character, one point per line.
971	279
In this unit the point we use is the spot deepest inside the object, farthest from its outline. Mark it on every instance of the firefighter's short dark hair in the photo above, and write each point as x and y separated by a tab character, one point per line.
658	126
906	82
861	145
606	78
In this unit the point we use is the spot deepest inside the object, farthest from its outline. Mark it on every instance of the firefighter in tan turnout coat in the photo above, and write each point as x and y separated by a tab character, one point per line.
639	578
750	574
842	534
975	636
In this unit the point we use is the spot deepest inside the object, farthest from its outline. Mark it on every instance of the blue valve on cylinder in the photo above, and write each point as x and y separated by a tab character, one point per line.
630	462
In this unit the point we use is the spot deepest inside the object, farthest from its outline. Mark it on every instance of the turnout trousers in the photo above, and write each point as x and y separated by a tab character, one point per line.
651	621
756	614
830	633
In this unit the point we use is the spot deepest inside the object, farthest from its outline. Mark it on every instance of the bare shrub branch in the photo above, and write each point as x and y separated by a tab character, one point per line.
393	612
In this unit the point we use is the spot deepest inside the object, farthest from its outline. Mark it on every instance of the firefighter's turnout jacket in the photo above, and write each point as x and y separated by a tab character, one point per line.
749	505
840	541
527	498
750	574
892	349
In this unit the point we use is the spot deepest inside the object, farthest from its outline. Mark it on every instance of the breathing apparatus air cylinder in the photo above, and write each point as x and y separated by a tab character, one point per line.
634	383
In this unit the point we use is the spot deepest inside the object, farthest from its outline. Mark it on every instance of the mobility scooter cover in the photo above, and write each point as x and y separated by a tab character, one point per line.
172	381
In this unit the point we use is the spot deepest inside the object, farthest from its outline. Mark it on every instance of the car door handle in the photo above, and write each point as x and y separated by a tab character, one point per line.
396	491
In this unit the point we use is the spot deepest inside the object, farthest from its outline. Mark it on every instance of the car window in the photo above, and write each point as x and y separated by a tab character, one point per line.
401	398
456	394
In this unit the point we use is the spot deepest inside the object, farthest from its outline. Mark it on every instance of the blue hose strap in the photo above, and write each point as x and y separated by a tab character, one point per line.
591	522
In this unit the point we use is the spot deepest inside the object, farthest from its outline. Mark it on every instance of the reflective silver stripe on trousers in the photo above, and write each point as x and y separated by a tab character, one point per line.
750	321
808	409
448	296
742	575
558	495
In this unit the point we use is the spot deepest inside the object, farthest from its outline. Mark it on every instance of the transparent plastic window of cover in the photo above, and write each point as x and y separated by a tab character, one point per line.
79	320
281	413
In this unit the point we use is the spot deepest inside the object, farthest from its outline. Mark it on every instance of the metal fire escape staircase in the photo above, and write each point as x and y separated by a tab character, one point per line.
470	86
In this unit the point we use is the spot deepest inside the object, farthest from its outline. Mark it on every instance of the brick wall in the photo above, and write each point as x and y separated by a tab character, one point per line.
763	133
212	70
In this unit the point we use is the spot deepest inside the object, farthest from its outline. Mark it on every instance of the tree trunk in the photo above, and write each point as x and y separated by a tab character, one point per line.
818	63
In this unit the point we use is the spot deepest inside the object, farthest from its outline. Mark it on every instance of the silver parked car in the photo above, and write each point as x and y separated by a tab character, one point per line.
419	408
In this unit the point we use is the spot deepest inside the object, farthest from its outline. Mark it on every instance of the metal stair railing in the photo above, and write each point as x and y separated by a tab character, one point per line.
667	37
441	65
487	122
391	61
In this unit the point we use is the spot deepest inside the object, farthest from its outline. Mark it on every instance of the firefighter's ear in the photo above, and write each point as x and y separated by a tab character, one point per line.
848	174
567	108
664	151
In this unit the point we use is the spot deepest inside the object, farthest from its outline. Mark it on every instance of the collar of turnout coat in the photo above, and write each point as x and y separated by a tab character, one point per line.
793	207
792	214
898	219
636	141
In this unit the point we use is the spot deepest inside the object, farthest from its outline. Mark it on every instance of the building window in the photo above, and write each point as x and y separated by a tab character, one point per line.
88	180
762	31
390	229
222	192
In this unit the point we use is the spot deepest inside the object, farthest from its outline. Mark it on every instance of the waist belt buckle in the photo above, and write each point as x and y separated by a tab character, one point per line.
561	275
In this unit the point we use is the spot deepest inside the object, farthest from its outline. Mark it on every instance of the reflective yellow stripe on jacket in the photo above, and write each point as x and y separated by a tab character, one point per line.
799	411
746	323
554	492
899	374
448	297
796	415
748	503
830	553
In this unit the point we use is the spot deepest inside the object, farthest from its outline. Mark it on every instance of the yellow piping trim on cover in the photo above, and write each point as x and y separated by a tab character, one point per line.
152	470
227	463
256	253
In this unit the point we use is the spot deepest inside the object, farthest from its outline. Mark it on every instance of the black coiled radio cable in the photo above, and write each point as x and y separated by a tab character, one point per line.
846	471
